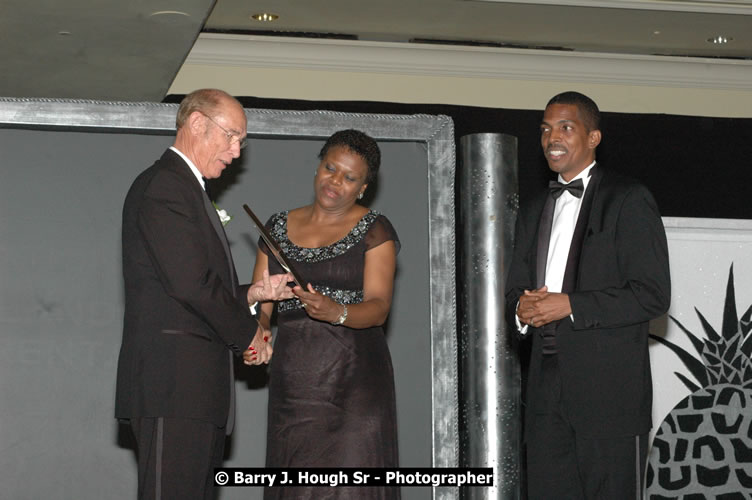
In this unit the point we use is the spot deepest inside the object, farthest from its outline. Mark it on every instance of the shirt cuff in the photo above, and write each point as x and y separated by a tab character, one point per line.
520	327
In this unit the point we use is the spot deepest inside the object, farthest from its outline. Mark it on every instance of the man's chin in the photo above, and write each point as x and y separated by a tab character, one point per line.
217	172
554	166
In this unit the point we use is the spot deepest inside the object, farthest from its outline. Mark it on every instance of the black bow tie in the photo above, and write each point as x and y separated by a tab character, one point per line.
575	188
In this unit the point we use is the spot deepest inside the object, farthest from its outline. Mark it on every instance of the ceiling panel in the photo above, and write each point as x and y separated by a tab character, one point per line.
132	50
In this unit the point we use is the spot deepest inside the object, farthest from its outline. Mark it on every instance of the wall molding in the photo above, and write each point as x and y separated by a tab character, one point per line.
702	229
469	62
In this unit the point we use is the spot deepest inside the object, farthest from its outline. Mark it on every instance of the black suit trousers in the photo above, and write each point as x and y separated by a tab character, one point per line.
177	457
561	465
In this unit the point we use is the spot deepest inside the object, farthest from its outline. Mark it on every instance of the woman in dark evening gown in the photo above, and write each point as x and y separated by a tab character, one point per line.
331	389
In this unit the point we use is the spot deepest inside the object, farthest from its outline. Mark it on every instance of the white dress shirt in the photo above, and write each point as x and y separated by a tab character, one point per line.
192	167
566	211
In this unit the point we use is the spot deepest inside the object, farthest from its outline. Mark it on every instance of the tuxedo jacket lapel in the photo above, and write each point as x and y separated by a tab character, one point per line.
177	163
544	235
217	225
569	283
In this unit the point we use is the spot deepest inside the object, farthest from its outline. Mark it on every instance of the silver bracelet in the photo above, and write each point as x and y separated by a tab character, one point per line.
342	317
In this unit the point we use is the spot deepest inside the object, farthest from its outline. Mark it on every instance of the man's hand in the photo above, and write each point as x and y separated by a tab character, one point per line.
539	307
270	288
260	350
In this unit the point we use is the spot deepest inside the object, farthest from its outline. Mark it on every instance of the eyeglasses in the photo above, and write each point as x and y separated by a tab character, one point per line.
231	138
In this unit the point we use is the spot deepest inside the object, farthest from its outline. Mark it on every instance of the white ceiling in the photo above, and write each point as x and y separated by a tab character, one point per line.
123	51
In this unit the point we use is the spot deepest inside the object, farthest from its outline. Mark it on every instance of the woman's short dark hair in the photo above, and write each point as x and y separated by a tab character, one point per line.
359	143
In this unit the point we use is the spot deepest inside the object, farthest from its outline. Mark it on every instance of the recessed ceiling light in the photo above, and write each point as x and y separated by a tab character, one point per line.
265	17
169	17
720	39
169	13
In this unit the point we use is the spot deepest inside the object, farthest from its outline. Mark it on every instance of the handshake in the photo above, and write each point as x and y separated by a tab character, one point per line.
267	289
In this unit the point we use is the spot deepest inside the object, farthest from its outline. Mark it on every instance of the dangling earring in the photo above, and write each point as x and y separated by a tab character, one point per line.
360	195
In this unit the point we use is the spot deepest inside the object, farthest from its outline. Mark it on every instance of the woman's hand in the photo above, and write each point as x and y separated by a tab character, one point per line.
318	306
260	350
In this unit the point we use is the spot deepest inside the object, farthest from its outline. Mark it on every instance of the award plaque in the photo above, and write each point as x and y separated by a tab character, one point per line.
274	248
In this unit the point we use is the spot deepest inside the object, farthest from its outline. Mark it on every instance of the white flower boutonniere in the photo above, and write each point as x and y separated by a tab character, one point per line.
224	217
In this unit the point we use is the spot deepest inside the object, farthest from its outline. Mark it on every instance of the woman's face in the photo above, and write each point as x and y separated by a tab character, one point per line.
340	178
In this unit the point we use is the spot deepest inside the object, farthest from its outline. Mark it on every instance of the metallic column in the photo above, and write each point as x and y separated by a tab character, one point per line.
490	434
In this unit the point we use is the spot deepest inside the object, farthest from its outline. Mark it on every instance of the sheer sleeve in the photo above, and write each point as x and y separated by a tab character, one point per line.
379	232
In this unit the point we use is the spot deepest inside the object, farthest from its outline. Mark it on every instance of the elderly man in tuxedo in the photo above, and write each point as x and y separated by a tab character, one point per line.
589	271
185	313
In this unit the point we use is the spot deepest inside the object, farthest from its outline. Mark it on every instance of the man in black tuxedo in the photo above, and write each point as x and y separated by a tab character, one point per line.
185	313
589	270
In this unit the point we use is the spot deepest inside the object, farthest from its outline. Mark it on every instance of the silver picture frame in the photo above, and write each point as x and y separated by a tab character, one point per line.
436	132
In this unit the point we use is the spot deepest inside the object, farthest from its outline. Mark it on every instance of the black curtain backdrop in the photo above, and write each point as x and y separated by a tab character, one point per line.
694	166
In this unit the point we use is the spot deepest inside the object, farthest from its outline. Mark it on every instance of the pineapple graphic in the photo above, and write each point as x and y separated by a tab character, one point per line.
703	448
